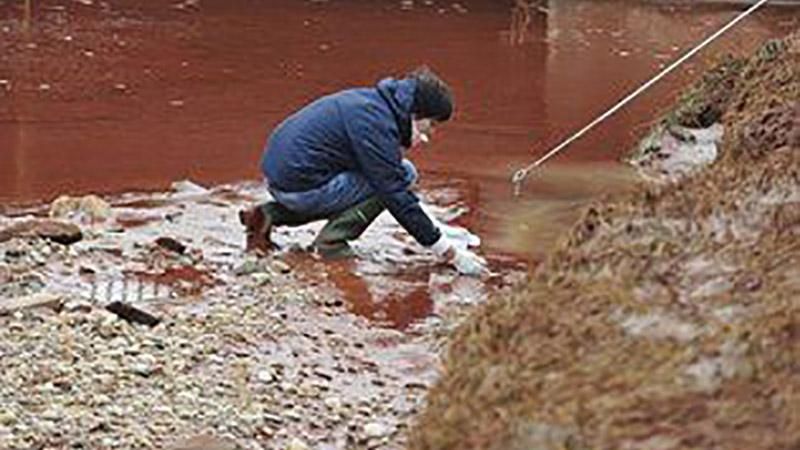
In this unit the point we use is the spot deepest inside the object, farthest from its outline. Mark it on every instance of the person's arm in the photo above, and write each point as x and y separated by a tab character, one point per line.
376	144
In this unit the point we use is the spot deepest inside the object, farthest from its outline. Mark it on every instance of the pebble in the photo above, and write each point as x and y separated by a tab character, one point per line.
281	266
291	414
297	444
7	418
144	366
52	414
289	388
265	376
273	418
375	430
78	305
261	278
334	403
248	267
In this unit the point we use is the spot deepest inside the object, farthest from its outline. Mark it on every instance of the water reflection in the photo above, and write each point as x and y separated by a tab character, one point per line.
523	13
404	299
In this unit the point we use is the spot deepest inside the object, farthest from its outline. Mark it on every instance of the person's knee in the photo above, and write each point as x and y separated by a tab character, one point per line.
411	174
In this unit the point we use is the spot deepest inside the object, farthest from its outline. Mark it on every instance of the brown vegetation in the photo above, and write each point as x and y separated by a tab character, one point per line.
668	318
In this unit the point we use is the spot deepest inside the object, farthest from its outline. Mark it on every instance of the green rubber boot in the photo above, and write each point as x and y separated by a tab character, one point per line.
348	225
283	216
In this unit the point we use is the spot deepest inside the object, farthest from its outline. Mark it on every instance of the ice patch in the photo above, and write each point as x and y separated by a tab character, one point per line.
671	152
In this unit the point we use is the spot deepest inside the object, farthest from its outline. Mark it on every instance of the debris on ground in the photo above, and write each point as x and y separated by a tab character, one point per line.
667	318
39	300
61	232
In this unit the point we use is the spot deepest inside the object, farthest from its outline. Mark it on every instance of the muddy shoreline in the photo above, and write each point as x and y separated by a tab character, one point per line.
281	352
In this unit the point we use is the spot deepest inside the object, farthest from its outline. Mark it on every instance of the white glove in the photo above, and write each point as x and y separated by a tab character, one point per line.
461	236
465	261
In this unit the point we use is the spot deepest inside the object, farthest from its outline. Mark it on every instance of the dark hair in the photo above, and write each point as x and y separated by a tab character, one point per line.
433	98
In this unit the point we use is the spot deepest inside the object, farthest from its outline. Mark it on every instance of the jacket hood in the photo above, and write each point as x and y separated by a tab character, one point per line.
399	95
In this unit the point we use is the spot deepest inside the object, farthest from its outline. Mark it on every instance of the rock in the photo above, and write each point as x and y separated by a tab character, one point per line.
86	270
203	442
261	278
90	208
5	274
171	244
419	385
52	414
187	186
293	415
39	300
144	366
81	306
288	388
38	258
266	431
248	267
272	418
281	266
265	376
297	444
7	418
61	232
323	374
374	430
334	403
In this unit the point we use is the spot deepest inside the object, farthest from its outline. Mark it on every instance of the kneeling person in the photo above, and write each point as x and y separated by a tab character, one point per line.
341	158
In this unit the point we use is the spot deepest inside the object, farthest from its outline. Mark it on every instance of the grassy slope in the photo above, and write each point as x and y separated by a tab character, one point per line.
667	318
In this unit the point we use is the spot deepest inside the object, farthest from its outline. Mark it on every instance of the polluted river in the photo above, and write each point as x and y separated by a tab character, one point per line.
130	139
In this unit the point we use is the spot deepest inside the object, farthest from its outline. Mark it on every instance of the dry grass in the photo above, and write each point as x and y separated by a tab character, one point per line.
667	317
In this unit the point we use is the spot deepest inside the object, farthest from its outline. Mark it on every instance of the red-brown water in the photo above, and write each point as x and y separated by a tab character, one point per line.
112	96
107	97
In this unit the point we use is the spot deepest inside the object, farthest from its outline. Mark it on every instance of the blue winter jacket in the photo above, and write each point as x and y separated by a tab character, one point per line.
360	130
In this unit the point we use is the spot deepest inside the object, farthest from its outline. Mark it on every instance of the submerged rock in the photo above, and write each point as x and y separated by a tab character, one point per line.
60	232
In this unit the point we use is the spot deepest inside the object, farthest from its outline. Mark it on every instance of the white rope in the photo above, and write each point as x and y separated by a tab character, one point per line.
521	174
